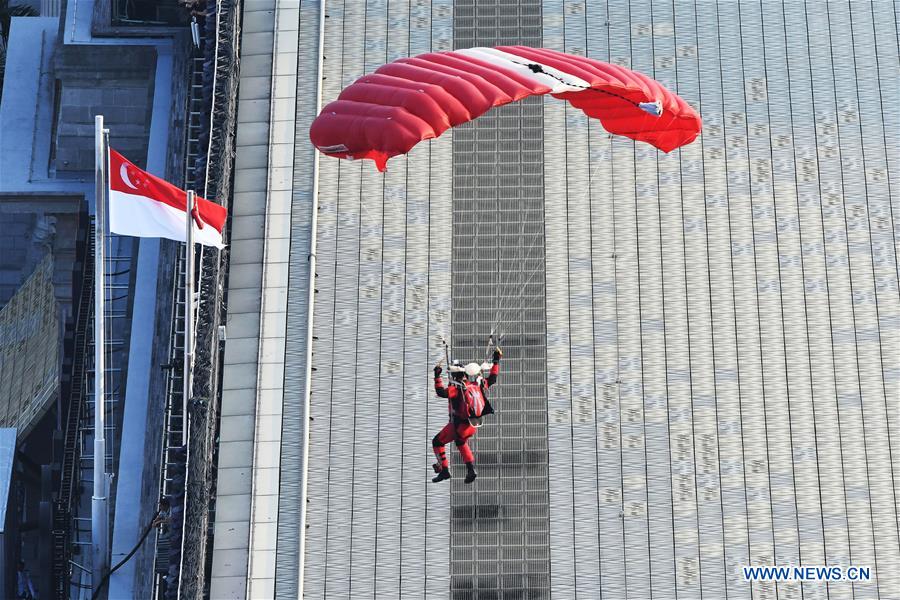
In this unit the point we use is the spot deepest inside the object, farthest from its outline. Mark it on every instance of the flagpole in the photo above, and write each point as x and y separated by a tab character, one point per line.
99	508
188	312
187	374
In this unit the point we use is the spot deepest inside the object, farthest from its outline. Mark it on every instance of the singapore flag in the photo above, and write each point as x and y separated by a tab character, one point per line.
143	205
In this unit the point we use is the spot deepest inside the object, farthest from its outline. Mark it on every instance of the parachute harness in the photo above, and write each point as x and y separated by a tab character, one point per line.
475	422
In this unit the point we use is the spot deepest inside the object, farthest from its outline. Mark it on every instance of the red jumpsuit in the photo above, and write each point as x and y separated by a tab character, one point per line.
458	428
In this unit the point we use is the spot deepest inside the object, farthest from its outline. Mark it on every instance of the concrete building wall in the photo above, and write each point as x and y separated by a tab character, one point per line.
721	322
58	77
114	81
30	357
32	226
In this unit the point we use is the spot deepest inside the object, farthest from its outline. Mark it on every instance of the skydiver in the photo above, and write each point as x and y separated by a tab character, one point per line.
467	403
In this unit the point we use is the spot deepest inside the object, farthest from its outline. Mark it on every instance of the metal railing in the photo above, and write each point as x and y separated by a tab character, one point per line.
172	461
62	515
211	107
167	565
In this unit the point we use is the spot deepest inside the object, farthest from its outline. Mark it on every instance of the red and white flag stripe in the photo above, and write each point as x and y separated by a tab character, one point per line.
143	205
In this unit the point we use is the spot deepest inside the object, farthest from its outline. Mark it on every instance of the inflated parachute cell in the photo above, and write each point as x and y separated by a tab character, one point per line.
413	99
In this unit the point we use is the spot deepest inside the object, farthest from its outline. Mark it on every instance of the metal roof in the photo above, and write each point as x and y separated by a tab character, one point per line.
721	322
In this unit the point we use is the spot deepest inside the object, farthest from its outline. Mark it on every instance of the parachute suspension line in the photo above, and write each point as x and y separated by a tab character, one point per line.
471	182
477	254
512	280
506	286
497	255
466	275
446	359
518	298
510	306
503	286
487	351
526	255
499	289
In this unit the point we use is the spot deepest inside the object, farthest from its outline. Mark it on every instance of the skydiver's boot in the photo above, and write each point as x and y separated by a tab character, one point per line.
471	474
442	474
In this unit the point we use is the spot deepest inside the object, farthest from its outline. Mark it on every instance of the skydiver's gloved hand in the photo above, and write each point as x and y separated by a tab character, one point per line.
498	354
437	371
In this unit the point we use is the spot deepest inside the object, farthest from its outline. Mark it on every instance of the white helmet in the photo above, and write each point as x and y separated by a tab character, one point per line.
473	371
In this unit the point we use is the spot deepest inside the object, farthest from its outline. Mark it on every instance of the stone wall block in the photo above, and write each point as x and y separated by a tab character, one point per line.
116	82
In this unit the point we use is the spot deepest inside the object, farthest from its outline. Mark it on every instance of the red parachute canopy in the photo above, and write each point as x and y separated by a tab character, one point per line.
413	99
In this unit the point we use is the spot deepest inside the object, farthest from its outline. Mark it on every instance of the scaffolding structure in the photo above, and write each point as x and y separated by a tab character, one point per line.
76	573
191	423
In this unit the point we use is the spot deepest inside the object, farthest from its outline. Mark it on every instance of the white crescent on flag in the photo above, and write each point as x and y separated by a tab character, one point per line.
143	205
124	173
